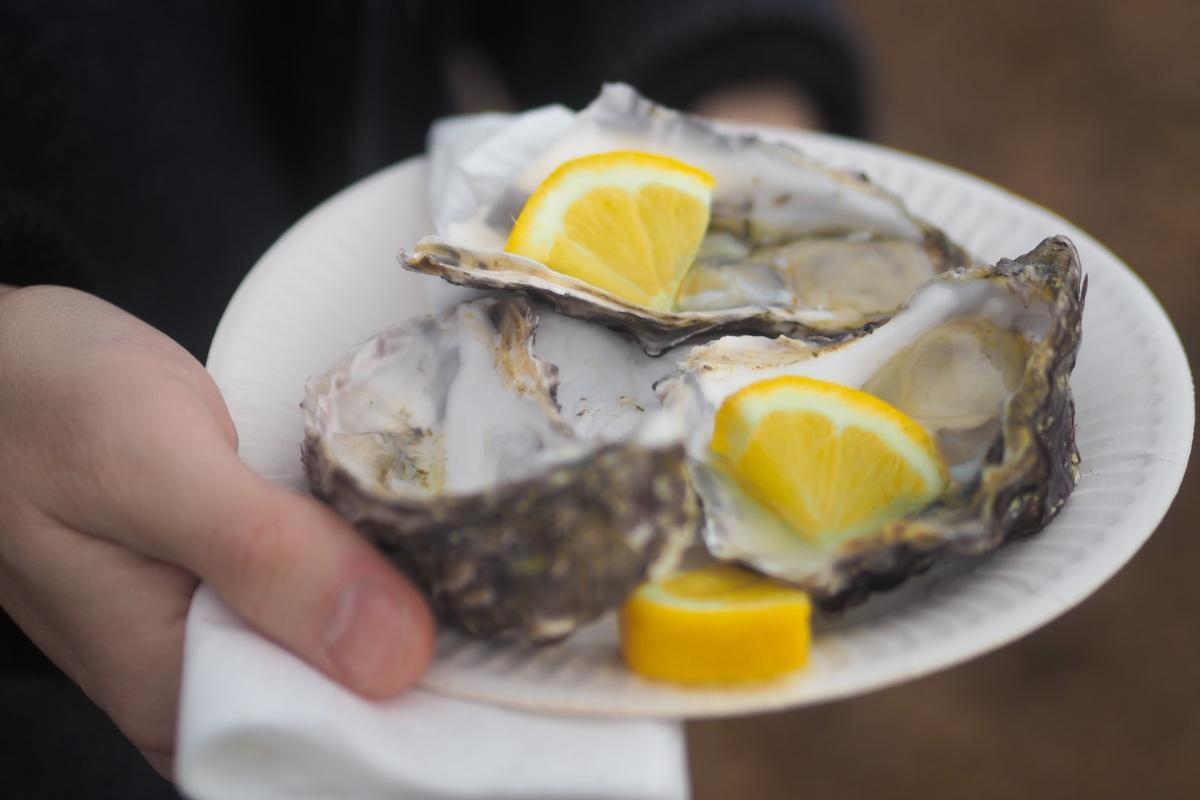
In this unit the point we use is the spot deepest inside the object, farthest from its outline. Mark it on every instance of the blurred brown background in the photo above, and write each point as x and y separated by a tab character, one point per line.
1092	109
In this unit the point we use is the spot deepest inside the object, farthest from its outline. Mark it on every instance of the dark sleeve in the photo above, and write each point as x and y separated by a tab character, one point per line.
674	51
36	248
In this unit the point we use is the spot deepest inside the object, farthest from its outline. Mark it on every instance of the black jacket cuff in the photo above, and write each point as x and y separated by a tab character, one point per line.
35	248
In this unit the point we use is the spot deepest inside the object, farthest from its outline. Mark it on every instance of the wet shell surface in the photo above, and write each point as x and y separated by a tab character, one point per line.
520	496
981	357
793	247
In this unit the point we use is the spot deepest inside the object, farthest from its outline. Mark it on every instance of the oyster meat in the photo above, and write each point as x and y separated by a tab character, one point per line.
793	247
519	495
981	357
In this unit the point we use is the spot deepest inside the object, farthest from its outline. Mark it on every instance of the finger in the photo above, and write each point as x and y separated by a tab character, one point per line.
287	563
301	574
765	102
110	619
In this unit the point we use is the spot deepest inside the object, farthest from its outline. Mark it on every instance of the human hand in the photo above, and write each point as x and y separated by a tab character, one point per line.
763	102
120	488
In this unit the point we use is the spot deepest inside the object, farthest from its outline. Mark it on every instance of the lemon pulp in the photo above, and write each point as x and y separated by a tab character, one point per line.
626	222
832	461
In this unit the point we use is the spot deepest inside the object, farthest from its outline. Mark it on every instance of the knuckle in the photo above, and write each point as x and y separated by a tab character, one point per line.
142	716
248	553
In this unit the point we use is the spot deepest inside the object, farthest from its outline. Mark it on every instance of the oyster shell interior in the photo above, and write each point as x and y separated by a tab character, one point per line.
838	281
980	357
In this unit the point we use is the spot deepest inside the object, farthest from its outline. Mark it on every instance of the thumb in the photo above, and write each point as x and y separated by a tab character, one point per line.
300	574
291	566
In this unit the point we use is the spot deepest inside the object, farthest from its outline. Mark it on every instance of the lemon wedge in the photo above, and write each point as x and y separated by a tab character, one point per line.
833	462
627	222
719	624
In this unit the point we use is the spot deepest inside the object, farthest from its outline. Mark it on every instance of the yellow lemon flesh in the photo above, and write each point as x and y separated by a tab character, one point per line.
627	222
716	625
833	462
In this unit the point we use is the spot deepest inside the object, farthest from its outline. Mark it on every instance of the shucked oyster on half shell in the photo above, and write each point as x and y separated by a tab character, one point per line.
520	496
793	247
981	357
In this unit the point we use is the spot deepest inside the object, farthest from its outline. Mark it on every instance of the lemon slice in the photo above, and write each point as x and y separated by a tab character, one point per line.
627	222
833	462
719	624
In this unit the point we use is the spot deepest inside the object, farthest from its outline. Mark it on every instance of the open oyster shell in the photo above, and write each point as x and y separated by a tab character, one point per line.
444	441
793	248
982	357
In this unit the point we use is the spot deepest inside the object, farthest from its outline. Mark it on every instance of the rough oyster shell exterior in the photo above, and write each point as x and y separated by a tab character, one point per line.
542	554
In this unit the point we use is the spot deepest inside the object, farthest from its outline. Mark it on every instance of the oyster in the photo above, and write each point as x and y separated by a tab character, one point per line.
793	247
487	475
980	356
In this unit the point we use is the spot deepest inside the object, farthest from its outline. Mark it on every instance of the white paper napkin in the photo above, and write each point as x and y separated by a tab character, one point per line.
256	722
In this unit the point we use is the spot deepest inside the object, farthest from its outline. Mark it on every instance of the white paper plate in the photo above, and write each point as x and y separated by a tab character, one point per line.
332	281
